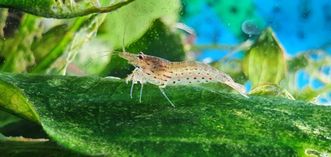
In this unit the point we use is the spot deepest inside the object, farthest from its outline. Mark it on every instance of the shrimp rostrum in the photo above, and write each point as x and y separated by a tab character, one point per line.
162	73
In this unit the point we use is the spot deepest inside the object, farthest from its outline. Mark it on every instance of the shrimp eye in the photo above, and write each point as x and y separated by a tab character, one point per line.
140	57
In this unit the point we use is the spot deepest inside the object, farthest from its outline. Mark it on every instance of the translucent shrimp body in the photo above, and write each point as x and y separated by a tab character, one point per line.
164	73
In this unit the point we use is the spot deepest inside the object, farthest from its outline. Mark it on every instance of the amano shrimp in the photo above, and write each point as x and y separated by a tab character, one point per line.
163	73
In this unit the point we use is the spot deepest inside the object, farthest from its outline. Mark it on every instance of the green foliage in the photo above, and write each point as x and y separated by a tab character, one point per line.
17	50
49	40
97	117
314	67
57	49
264	62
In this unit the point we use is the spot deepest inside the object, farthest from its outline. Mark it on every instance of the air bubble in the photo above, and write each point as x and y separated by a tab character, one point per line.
251	27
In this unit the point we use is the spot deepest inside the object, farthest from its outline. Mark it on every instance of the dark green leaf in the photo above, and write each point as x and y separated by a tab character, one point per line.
96	116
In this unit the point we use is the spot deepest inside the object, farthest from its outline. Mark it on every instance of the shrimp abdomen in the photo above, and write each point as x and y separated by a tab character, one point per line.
185	73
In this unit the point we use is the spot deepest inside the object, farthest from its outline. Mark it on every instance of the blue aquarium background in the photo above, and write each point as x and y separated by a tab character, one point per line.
300	25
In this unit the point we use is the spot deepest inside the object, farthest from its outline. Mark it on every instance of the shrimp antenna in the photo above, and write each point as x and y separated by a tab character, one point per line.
123	40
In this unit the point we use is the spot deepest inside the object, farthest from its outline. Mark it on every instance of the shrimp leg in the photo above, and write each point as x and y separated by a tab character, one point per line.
130	78
141	91
131	90
164	94
135	77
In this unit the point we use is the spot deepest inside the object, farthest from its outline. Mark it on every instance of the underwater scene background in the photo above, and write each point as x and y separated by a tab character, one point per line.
165	78
300	25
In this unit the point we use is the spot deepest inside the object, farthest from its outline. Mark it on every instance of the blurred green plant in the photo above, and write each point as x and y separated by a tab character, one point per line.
307	63
264	62
265	66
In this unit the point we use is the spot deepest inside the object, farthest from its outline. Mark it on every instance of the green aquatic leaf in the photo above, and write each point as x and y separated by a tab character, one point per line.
264	62
96	116
12	100
61	8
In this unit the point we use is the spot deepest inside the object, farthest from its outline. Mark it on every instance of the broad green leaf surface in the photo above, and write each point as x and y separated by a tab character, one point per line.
265	62
96	116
